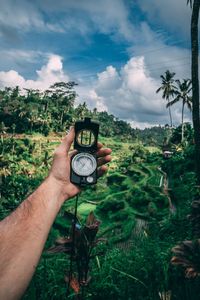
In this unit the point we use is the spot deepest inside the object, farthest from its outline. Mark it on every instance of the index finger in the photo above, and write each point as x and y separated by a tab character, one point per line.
99	145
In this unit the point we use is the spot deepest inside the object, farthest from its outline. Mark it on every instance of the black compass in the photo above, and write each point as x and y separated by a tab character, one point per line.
84	163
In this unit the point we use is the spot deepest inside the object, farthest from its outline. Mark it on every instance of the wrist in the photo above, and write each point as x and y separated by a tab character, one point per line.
57	188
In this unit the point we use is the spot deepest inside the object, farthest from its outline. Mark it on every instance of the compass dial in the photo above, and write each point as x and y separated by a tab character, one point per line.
84	164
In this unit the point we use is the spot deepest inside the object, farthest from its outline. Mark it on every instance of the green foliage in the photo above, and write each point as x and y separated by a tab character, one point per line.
188	134
131	203
112	203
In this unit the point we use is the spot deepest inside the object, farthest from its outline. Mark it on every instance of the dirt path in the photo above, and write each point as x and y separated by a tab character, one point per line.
138	232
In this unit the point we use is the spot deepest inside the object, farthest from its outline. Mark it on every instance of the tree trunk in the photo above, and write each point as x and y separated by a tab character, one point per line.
195	84
61	118
170	116
182	124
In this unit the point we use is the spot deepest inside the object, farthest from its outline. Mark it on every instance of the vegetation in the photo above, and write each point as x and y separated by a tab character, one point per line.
168	89
136	234
142	205
52	111
195	79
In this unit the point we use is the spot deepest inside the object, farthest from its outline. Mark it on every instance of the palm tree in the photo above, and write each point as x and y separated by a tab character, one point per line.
194	4
182	93
168	89
187	255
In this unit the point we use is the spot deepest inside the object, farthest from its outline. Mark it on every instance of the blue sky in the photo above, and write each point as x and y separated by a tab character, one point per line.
115	50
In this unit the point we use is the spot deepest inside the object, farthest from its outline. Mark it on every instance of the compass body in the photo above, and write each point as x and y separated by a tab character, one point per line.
84	163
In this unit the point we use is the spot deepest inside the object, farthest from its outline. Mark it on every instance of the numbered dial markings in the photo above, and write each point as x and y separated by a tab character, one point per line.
84	164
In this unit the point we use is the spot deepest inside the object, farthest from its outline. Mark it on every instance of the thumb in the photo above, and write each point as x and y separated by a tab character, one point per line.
68	140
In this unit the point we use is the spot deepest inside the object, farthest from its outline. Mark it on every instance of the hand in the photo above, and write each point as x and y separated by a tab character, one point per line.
60	170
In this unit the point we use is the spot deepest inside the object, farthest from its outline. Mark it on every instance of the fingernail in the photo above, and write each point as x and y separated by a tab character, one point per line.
70	128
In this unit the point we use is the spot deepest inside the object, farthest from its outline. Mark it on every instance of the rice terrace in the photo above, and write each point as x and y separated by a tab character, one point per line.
99	150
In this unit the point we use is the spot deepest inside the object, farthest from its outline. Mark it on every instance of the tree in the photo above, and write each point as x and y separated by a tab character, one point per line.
64	95
194	4
168	89
3	130
182	93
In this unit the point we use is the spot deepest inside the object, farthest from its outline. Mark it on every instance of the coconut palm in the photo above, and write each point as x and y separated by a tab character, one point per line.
168	89
182	93
187	255
195	4
194	218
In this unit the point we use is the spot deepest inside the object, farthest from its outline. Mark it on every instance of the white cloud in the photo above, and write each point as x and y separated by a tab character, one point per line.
19	55
130	91
11	79
173	15
130	94
15	14
50	73
159	55
24	16
109	17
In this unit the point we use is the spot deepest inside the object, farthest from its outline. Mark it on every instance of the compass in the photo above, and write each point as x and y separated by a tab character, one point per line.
84	163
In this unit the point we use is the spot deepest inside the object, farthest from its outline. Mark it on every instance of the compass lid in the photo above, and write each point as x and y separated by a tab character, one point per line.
86	135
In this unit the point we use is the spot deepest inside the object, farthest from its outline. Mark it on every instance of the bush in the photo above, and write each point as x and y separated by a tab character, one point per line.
137	198
115	179
120	215
112	203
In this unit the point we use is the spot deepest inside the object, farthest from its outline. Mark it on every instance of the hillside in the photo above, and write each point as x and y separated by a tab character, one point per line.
141	206
133	203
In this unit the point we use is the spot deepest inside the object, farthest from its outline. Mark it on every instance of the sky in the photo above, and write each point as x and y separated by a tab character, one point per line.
115	50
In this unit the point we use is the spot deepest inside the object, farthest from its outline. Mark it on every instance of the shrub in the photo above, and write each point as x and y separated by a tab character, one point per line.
112	203
138	197
115	178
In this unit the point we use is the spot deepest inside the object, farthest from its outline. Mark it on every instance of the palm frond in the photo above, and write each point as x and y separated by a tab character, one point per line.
187	255
194	217
172	102
189	2
159	89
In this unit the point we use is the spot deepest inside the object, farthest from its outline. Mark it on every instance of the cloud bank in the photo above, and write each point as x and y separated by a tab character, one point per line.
129	93
48	74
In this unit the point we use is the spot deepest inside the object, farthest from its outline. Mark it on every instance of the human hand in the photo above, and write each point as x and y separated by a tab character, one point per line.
60	170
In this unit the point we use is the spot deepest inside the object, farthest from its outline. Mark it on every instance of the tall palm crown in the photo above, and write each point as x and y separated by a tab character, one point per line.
182	93
168	88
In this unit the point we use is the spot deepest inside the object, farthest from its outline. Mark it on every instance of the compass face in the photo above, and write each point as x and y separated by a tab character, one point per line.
84	164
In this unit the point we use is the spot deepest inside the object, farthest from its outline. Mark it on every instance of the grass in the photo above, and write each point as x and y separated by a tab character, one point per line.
132	175
85	208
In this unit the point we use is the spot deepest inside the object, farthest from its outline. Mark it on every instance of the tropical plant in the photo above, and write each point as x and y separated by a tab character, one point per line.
64	95
168	88
194	217
182	93
187	255
79	246
3	130
195	4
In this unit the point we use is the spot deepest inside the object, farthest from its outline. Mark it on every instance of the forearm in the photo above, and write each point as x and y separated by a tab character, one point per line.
23	235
